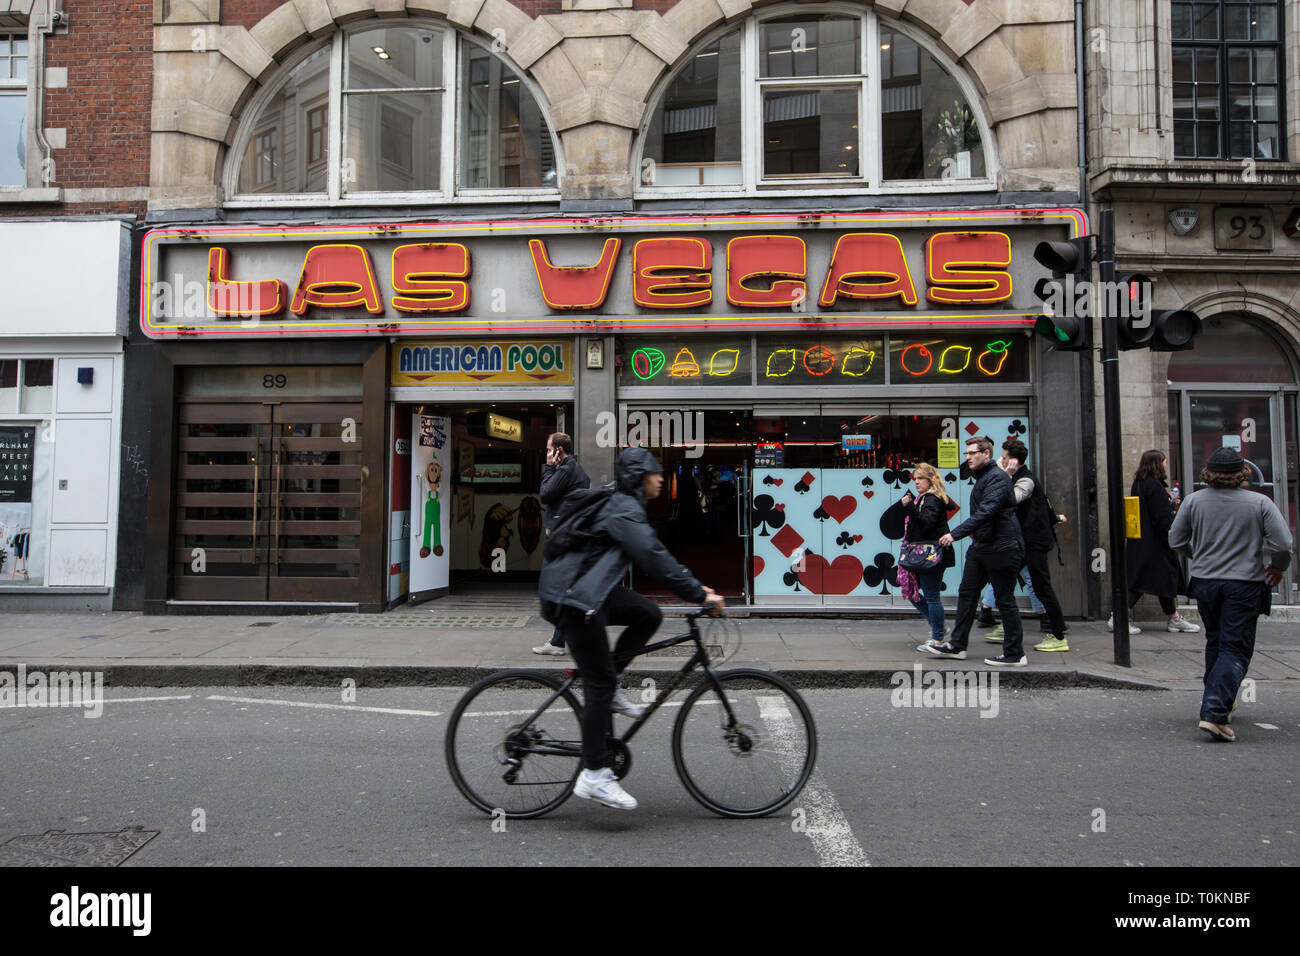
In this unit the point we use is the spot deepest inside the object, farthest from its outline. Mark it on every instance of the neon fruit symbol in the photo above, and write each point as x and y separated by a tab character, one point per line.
919	354
1000	349
647	363
960	353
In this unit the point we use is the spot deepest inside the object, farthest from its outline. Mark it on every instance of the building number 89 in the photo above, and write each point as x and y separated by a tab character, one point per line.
274	381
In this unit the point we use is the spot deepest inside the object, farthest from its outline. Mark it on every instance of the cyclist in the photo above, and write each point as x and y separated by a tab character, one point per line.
584	587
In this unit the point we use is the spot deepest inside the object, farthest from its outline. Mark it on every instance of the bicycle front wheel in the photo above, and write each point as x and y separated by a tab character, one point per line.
514	744
744	746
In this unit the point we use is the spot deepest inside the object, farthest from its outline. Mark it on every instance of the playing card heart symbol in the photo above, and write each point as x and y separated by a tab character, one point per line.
839	508
780	507
857	538
868	494
758	564
778	482
830	577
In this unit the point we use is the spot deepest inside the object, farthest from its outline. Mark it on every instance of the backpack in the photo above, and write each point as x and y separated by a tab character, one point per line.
577	521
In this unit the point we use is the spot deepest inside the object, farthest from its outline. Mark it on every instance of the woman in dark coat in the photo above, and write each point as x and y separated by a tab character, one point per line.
927	520
1152	565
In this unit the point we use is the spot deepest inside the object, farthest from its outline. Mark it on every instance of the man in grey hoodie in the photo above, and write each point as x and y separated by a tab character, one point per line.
1224	529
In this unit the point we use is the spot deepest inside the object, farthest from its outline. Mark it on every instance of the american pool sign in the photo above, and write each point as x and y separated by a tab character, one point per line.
496	363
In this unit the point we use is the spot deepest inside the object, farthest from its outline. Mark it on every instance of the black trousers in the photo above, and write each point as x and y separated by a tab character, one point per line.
1041	579
589	644
1000	568
1167	604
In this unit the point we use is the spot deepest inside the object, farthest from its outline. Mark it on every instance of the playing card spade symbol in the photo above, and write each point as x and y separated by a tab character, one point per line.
882	573
820	514
891	522
867	481
950	477
766	513
845	540
805	483
769	480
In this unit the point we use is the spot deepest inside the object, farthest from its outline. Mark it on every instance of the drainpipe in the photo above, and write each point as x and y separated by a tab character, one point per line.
54	18
1090	529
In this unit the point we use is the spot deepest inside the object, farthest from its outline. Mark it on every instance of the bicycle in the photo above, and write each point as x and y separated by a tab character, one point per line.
518	752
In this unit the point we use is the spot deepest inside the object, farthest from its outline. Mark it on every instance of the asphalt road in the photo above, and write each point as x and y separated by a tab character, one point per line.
1056	777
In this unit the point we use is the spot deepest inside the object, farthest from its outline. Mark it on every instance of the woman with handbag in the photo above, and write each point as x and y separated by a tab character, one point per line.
922	560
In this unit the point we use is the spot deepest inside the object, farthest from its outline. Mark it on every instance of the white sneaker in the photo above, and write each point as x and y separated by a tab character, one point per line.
550	650
601	786
1180	623
621	704
1132	628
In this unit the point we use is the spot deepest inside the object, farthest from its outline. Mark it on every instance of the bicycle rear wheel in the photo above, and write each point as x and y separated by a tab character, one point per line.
745	747
514	744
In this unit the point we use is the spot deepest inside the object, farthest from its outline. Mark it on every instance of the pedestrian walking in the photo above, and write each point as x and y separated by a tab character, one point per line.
1224	529
996	553
1152	564
563	475
926	519
1036	520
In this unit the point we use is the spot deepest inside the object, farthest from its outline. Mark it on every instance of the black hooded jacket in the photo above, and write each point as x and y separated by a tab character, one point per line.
583	579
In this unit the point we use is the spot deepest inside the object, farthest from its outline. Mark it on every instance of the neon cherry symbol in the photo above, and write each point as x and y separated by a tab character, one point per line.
922	355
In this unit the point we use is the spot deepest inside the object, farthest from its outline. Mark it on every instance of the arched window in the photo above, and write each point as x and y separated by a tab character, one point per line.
834	99
1232	349
394	113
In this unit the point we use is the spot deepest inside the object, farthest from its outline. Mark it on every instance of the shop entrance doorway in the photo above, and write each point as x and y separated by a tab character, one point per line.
268	502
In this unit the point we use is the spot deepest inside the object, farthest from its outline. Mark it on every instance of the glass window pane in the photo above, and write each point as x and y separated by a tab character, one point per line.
1239	103
38	386
394	141
1184	102
1183	65
1263	25
1230	350
394	58
8	385
1207	102
24	477
1207	66
1207	21
506	141
19	46
1181	24
1207	140
1266	104
1266	141
295	122
1236	22
803	46
928	129
1184	140
1265	66
13	140
810	133
1239	65
694	134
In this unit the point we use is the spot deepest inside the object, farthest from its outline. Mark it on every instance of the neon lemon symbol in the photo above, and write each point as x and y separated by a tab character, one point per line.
647	363
857	356
778	372
684	366
724	361
999	348
959	353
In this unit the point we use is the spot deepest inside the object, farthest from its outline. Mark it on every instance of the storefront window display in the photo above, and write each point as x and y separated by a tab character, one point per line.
25	448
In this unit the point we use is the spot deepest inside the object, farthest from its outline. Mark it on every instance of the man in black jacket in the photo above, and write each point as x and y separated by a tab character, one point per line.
1036	520
563	474
995	554
582	587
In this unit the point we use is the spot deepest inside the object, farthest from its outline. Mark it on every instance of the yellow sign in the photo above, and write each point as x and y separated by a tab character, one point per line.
949	456
480	362
498	426
1132	517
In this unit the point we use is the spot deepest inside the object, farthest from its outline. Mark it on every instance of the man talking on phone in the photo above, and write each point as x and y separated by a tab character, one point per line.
563	475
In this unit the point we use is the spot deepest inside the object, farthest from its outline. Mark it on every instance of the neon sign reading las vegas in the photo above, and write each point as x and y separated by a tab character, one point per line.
668	272
917	361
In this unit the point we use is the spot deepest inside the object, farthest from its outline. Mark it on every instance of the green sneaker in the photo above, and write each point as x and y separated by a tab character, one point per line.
1053	644
996	635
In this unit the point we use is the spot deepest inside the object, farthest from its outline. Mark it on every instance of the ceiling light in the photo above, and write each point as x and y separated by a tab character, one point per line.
377	49
884	46
384	56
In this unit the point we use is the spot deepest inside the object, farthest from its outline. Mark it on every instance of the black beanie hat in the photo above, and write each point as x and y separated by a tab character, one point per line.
1225	461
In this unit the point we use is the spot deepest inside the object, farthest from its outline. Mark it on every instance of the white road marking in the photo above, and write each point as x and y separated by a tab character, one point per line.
1267	726
827	827
525	713
137	700
315	706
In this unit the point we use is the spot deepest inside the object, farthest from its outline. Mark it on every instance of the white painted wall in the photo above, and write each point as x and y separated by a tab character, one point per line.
64	278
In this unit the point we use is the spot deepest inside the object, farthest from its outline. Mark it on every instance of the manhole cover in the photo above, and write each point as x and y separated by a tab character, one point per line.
57	848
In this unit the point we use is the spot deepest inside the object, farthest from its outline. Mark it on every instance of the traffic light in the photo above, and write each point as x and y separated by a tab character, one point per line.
1066	318
1140	326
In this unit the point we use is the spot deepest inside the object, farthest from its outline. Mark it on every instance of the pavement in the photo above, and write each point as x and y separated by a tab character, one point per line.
457	640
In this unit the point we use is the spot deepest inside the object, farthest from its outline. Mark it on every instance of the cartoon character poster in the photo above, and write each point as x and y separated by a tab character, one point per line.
430	503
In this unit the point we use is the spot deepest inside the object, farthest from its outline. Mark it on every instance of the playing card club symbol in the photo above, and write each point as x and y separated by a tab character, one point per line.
766	513
829	577
845	540
805	483
1016	428
897	477
769	480
882	573
790	579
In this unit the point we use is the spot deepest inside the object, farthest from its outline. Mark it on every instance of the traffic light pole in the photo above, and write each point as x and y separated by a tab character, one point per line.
1114	439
